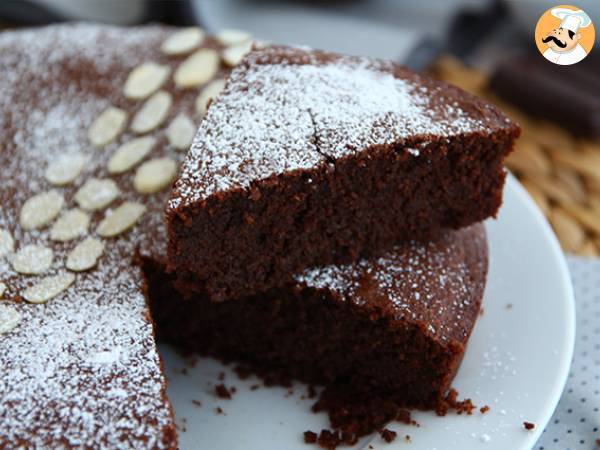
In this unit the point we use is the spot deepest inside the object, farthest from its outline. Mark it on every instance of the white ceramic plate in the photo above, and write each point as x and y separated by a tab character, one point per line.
517	362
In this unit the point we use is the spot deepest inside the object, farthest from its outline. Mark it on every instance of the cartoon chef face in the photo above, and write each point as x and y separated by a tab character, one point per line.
561	39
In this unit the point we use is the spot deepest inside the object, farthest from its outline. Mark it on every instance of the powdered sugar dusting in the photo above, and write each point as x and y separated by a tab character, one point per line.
434	283
288	109
81	370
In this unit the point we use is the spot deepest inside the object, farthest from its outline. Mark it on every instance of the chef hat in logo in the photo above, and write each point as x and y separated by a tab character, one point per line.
572	20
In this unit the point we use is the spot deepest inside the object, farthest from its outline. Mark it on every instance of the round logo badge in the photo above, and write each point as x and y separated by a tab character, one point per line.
565	35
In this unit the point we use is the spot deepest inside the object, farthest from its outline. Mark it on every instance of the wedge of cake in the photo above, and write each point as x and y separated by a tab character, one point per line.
93	122
379	334
310	158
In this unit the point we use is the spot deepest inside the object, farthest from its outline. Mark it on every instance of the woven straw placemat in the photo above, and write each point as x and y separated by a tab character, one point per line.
560	171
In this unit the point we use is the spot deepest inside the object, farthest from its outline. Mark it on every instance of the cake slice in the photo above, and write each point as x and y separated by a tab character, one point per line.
92	123
310	158
379	334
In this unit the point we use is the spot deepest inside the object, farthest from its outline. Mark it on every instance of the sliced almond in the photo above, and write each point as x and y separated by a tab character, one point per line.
121	219
70	225
65	169
48	288
568	231
183	41
85	255
2	289
180	132
230	37
234	54
130	153
41	209
9	319
32	260
199	68
7	243
152	113
538	196
96	194
211	91
155	175
107	126
145	79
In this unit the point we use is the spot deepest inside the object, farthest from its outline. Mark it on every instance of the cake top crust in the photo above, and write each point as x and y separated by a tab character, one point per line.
82	193
289	109
427	283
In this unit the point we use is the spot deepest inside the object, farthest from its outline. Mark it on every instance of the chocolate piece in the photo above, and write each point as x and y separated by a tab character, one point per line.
380	334
566	95
81	368
311	158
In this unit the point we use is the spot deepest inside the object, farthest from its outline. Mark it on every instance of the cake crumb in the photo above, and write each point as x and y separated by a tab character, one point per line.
388	435
404	416
219	410
197	403
484	409
312	391
509	305
451	402
528	426
598	442
222	392
221	376
310	437
407	438
243	373
254	387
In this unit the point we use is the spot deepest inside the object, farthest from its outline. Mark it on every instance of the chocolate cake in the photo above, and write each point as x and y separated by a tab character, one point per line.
310	158
380	334
85	179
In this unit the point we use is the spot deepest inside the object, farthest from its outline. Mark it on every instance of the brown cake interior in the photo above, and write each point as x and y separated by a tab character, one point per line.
363	331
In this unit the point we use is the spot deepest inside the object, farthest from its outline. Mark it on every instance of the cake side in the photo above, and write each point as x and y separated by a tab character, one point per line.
396	156
378	334
83	189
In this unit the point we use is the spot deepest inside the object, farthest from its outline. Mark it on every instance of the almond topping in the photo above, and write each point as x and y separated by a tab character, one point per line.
130	153
211	91
41	209
107	126
183	41
121	219
233	55
48	288
7	243
155	175
9	319
145	79
96	194
180	132
199	68
152	113
32	260
230	37
70	225
65	169
85	255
